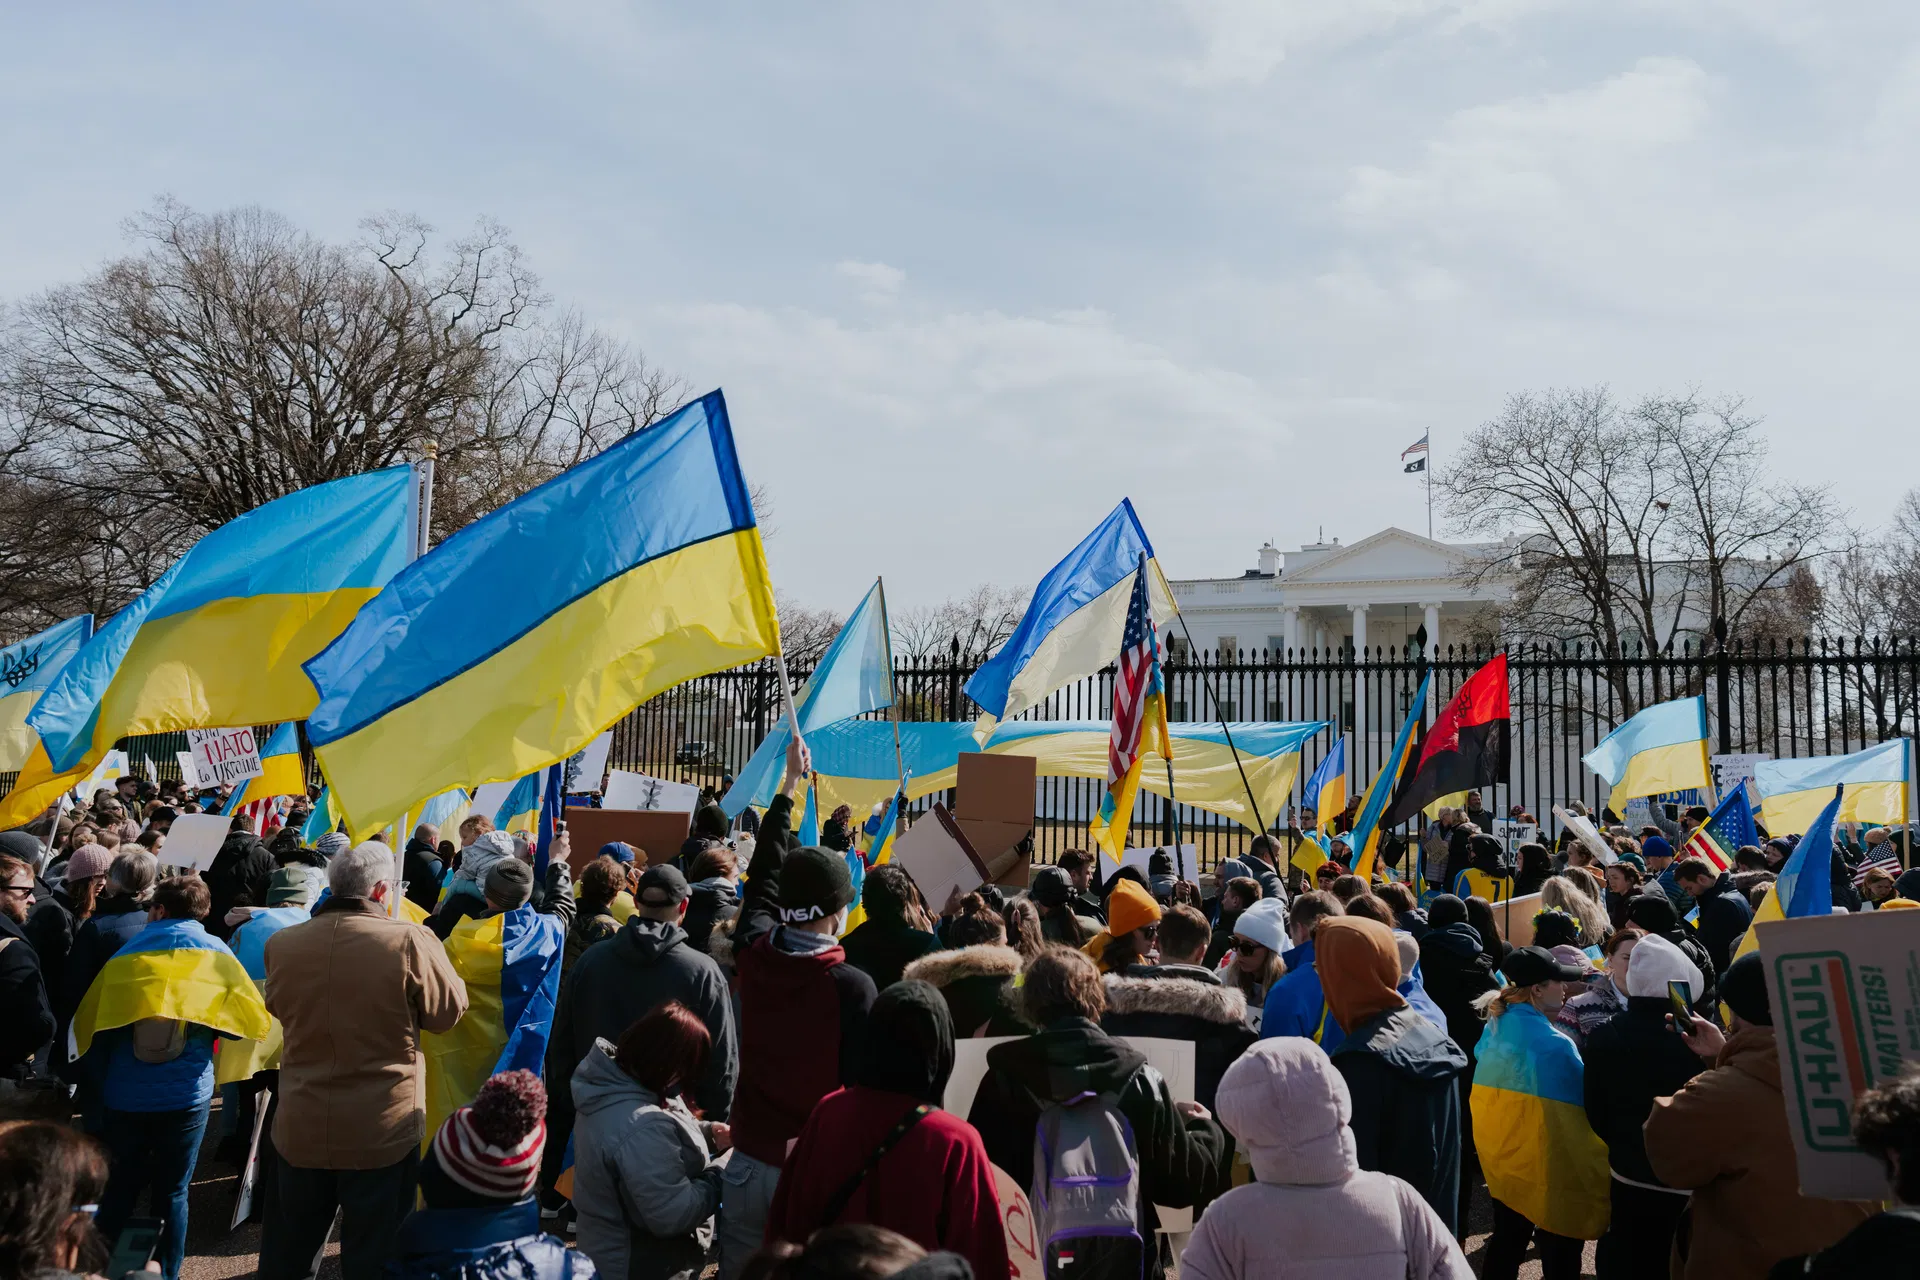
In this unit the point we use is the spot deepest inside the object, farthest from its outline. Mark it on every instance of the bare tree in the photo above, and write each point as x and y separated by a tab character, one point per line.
973	625
1630	529
232	358
805	633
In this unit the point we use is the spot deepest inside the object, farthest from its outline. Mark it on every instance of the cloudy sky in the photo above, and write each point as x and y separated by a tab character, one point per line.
971	272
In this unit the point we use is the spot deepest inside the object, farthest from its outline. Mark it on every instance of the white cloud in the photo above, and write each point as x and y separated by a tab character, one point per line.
877	282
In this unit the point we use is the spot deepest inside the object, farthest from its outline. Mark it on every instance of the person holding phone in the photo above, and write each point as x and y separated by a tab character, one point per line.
1632	1059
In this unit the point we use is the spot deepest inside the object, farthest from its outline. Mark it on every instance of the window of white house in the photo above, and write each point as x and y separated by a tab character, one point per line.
1229	646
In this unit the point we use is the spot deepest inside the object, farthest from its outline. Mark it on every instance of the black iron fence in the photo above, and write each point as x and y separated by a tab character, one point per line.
1782	699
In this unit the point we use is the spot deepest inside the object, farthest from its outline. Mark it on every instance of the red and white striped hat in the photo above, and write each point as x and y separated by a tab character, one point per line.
492	1148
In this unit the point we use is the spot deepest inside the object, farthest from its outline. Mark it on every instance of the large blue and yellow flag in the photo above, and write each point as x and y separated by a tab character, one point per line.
1364	839
1793	792
511	965
170	969
26	669
1540	1156
280	771
240	1060
1663	748
854	676
220	638
515	642
1805	884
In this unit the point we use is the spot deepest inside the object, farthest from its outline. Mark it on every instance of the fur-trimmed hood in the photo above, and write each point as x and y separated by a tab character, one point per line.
943	968
1177	996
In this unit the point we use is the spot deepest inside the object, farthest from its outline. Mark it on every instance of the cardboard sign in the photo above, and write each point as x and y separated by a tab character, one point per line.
1514	919
657	835
939	857
1016	1215
224	757
193	840
993	806
638	791
1845	993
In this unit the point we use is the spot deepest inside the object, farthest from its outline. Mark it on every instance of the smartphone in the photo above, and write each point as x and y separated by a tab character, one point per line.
135	1247
1680	996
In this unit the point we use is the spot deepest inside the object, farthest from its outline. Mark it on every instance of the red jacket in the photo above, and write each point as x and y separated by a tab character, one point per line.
798	1014
934	1187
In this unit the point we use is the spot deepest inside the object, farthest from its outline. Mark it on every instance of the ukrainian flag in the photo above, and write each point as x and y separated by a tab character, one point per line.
239	1060
511	965
170	969
26	669
1325	795
1364	839
1662	749
324	818
1793	792
1540	1156
281	774
520	811
636	570
219	638
879	853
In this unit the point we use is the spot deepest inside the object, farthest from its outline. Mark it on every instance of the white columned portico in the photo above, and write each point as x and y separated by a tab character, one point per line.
1359	628
1433	628
1290	629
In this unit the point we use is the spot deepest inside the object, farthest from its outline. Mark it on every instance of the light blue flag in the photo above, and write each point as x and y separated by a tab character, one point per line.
1074	623
323	819
26	671
854	676
810	819
1805	884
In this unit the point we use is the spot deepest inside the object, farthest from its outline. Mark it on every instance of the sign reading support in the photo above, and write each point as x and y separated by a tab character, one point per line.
1730	771
224	757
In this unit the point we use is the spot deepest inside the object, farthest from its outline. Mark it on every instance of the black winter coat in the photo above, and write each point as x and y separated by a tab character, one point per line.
977	984
617	982
882	949
1884	1247
1631	1059
49	928
240	874
26	1015
1402	1072
1725	914
1182	1161
421	868
1195	1006
707	906
1457	971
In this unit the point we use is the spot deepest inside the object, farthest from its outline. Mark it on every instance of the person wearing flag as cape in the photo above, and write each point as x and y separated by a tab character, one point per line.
145	1029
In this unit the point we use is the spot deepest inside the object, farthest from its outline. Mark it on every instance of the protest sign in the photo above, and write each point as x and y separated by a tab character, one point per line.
1186	859
1845	994
939	858
1513	917
993	806
1736	769
194	839
1016	1215
1512	834
656	835
638	791
188	774
224	757
587	767
1587	834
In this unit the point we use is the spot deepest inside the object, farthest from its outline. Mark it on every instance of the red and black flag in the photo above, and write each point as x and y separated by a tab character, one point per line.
1466	748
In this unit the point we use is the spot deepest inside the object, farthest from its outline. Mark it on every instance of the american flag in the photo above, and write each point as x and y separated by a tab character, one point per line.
1881	855
1418	446
256	813
1139	718
1730	826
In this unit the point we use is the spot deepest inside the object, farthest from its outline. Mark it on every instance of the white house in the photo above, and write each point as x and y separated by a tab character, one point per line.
1377	592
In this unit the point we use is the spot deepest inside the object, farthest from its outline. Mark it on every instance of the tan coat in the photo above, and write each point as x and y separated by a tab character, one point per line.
353	991
1724	1137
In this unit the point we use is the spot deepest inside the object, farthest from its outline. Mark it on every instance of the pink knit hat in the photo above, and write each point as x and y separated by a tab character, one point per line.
492	1148
89	860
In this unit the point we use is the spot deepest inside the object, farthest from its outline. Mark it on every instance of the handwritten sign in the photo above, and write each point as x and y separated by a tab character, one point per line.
638	791
1016	1215
223	757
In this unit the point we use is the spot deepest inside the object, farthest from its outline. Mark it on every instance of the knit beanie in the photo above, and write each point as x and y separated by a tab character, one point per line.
814	884
1130	907
332	843
1743	988
1265	922
491	1149
509	885
1656	847
89	860
619	850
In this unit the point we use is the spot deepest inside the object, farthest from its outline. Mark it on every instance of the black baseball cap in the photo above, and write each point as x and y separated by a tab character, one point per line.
1528	965
662	886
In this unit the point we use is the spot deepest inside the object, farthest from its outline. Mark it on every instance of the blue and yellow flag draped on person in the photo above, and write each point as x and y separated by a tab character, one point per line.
1074	623
853	677
280	771
1540	1156
170	969
511	965
1793	792
1663	748
26	669
623	576
1364	839
239	1060
1139	727
218	640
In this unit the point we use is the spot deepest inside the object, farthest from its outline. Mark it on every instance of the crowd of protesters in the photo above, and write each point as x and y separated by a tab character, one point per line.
732	1077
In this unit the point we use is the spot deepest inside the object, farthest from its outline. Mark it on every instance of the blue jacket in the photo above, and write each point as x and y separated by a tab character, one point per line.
1297	1007
491	1243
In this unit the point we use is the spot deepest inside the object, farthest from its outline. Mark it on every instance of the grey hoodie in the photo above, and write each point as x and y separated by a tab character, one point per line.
643	1186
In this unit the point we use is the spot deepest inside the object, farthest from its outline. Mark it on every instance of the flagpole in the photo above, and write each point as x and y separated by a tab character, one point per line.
1214	699
893	692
